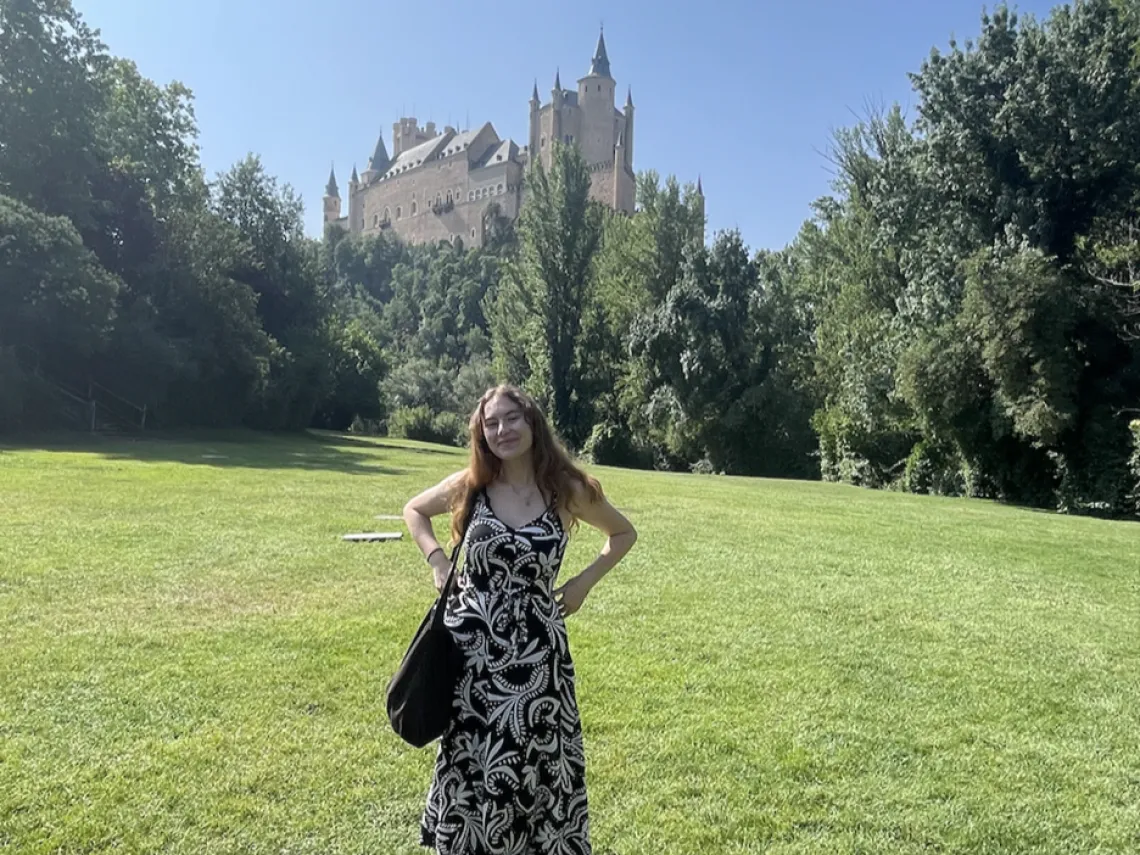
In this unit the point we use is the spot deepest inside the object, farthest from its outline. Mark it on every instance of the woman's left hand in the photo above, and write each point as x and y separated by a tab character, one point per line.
571	595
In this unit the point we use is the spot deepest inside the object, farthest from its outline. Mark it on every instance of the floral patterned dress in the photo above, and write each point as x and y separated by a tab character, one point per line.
509	774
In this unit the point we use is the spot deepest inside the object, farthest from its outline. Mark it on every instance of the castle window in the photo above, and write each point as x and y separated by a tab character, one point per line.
375	220
500	188
473	233
413	209
470	195
387	214
399	212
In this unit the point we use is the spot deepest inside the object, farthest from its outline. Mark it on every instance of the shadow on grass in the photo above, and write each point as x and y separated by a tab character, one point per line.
340	439
316	450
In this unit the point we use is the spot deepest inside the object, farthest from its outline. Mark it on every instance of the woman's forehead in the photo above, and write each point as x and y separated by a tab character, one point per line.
500	406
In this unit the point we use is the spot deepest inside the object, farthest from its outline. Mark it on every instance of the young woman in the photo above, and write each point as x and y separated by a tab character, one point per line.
510	770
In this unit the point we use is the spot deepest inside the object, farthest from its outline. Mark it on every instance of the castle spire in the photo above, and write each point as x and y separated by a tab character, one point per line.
557	81
629	97
379	161
355	179
534	94
331	188
700	190
600	64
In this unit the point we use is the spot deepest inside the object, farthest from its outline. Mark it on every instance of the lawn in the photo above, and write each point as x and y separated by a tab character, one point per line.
192	661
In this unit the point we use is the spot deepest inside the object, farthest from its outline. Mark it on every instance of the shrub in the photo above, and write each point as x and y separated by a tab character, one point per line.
931	468
420	423
613	444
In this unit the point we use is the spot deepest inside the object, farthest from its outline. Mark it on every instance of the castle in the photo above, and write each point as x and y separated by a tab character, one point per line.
438	186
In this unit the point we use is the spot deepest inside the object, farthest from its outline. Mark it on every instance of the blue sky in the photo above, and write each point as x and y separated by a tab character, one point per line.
744	94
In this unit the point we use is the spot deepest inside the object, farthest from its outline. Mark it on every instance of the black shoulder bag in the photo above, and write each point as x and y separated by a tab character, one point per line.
421	693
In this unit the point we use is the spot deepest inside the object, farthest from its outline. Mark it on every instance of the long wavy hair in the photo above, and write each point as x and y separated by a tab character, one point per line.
555	472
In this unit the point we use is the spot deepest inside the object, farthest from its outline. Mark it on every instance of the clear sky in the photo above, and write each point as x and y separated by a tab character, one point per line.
743	93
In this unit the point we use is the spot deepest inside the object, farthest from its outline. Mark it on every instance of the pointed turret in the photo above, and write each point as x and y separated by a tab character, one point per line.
332	199
379	162
701	208
355	215
628	130
557	81
533	137
600	64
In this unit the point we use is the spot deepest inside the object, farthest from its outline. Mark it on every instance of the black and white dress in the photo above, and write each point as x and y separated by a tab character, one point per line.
510	772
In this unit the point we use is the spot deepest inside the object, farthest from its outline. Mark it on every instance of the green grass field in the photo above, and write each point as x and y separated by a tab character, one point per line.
192	661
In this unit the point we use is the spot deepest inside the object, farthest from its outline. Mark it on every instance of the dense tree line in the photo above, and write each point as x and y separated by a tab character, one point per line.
961	315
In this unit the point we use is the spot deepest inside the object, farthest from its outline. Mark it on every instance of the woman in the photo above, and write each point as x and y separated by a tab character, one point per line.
510	771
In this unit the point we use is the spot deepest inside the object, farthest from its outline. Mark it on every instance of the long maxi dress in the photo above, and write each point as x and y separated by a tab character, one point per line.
510	772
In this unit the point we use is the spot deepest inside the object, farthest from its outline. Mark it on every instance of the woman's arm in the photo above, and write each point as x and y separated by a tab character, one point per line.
417	515
620	538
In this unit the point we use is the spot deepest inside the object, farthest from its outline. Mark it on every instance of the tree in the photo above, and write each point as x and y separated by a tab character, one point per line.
538	312
55	297
712	349
283	269
50	100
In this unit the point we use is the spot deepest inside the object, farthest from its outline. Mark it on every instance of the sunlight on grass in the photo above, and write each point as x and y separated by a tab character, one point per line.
191	660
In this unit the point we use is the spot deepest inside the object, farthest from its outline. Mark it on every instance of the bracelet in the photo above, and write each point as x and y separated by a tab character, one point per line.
433	552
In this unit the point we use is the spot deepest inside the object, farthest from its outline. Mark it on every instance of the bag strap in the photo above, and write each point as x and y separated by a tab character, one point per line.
437	618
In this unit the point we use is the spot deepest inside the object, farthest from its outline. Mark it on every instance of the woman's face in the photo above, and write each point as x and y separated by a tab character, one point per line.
506	429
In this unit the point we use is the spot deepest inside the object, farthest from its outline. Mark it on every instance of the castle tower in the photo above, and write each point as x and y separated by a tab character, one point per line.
598	133
535	123
332	199
555	117
619	173
629	128
355	214
407	134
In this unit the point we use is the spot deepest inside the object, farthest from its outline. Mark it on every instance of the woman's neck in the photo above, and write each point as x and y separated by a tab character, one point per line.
518	472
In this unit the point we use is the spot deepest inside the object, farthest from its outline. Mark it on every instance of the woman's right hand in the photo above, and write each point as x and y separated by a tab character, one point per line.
440	566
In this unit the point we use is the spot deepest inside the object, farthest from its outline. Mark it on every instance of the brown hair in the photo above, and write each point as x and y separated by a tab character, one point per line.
555	472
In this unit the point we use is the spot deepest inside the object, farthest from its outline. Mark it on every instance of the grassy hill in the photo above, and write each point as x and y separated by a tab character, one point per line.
191	660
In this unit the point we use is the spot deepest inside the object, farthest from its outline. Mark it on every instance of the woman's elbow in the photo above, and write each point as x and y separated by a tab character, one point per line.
411	515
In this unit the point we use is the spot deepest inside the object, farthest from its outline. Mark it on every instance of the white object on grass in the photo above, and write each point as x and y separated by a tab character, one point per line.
373	535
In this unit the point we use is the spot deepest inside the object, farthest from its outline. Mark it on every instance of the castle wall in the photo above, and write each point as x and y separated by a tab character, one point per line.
570	129
626	191
602	186
441	200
